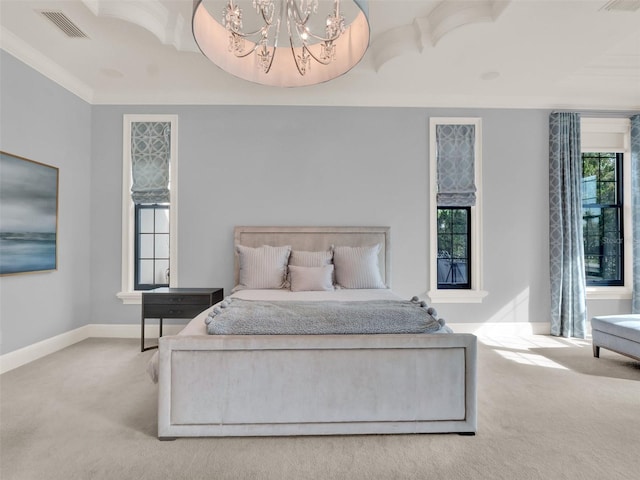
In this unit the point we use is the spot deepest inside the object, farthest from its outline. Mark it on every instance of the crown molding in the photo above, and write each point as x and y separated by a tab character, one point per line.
43	65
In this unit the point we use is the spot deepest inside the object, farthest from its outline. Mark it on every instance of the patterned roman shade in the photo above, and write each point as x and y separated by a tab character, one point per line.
150	157
456	173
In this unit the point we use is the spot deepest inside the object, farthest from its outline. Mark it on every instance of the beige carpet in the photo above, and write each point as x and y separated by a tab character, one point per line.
547	410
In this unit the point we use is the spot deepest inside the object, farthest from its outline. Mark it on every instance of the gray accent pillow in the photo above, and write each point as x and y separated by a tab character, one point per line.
308	279
262	267
357	267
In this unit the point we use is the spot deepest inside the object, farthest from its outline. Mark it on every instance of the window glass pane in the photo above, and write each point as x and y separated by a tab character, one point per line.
459	272
146	272
146	220
611	267
608	169
454	272
146	245
589	190
610	222
445	245
611	245
161	272
460	221
593	267
590	164
162	246
459	247
607	192
591	230
162	220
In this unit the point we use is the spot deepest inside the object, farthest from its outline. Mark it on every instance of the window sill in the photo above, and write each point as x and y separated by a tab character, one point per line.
457	296
609	293
130	298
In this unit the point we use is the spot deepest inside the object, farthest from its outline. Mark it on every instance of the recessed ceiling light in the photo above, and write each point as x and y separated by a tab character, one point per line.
111	73
490	75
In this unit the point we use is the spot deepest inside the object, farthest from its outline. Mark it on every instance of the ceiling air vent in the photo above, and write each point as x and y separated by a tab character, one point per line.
61	21
622	5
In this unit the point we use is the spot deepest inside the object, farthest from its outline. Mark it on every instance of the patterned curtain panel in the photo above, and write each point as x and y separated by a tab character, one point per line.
456	175
566	249
150	156
635	209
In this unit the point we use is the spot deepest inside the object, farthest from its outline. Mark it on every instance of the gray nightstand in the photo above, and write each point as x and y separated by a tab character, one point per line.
166	302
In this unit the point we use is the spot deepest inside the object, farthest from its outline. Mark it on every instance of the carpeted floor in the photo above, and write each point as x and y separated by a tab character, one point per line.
547	410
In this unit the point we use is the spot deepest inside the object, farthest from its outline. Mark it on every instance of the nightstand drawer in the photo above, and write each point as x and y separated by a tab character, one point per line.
174	311
177	299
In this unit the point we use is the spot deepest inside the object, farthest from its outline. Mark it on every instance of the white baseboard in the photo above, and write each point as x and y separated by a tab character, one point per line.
22	356
28	354
130	331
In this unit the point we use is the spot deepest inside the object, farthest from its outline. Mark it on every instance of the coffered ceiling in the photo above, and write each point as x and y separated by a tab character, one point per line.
449	53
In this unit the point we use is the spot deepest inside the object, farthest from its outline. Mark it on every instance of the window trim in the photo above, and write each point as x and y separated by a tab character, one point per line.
475	294
128	294
613	135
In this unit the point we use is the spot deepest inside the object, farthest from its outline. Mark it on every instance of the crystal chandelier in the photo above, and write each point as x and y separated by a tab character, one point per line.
287	43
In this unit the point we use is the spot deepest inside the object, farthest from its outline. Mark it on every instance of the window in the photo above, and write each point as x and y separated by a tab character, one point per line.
149	213
455	210
606	202
602	218
152	241
454	252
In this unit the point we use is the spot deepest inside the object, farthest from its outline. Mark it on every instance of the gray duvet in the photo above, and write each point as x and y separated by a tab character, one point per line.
235	316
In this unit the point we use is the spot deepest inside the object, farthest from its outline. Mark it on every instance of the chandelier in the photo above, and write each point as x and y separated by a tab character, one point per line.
285	43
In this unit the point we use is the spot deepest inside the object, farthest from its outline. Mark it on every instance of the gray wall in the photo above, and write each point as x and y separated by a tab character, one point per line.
333	166
270	166
41	121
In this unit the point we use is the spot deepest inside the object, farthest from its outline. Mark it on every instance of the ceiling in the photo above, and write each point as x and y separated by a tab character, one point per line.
477	53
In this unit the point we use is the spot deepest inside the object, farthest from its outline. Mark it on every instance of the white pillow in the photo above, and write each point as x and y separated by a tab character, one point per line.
262	267
306	279
357	267
300	258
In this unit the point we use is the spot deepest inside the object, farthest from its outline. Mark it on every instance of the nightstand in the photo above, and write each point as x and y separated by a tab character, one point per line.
166	302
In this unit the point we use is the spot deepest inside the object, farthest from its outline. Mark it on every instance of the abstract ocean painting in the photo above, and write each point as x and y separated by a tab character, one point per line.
28	215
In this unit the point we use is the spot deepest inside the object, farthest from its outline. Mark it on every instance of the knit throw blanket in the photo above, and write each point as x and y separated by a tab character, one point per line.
236	316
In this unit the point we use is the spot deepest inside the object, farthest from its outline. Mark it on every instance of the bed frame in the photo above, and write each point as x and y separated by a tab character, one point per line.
316	384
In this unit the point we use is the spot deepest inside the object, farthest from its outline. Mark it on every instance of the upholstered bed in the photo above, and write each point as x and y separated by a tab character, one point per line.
315	384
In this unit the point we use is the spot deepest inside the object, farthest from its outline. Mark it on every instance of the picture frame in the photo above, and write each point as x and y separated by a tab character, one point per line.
28	215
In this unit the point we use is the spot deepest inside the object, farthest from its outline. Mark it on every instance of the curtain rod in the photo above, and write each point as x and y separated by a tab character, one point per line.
601	113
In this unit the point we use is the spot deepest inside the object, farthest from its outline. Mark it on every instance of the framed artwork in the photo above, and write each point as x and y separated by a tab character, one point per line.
28	215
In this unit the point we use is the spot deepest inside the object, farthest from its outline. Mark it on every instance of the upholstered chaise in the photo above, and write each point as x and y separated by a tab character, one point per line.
619	333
